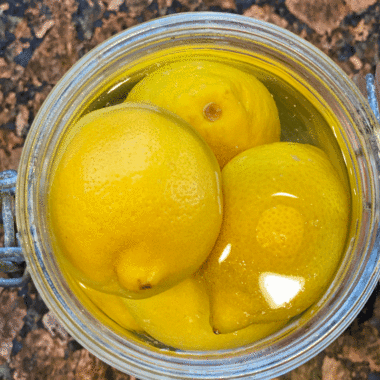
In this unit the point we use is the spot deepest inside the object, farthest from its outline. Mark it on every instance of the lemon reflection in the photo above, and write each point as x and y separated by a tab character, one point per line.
278	289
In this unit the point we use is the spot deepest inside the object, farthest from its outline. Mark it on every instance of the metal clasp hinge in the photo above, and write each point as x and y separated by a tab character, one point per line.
11	256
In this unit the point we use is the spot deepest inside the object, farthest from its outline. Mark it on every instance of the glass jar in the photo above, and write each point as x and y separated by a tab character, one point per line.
356	134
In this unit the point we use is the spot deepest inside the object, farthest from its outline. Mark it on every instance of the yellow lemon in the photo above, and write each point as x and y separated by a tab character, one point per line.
135	201
180	318
113	306
284	229
231	109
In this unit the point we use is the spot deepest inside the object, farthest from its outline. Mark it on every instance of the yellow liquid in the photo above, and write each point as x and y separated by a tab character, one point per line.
304	116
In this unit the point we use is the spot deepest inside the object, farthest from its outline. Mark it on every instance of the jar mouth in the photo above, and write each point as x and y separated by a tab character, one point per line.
358	274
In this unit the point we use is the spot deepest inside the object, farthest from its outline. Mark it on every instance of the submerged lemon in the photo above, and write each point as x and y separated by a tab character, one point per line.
113	306
284	228
135	201
231	109
180	317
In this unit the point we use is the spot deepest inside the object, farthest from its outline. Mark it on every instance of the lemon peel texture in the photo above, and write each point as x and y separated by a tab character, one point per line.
230	108
135	200
284	229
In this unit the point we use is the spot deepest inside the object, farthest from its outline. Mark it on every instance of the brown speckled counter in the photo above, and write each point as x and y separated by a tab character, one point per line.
40	40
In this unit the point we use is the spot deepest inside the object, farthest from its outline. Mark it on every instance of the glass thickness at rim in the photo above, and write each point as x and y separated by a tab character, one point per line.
259	361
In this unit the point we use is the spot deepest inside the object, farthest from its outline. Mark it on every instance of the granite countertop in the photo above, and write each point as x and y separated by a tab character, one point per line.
40	40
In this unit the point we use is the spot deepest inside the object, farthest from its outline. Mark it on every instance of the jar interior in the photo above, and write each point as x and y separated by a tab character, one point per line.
304	115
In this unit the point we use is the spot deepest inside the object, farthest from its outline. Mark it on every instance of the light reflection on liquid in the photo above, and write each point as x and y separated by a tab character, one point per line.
279	289
284	195
225	253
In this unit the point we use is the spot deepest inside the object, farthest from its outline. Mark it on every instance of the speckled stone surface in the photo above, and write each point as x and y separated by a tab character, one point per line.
40	40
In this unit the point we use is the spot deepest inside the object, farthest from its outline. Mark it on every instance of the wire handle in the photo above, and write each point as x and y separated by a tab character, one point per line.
372	93
11	256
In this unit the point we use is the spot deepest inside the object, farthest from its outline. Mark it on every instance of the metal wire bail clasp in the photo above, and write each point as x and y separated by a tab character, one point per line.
11	256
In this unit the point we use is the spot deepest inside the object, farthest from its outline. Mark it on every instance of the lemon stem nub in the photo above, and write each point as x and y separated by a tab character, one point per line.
212	111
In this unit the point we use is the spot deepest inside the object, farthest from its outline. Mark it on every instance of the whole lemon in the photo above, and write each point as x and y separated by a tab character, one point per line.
180	318
135	201
286	215
230	108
